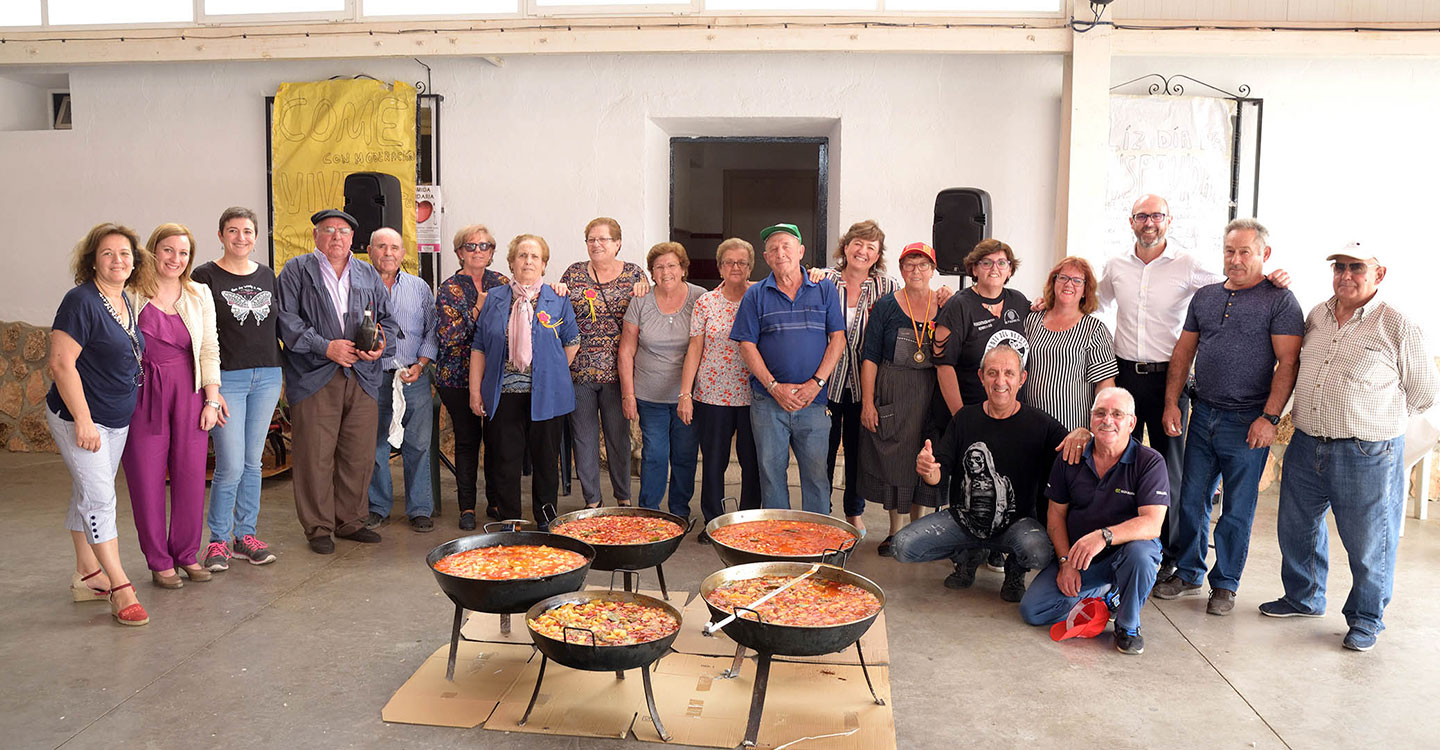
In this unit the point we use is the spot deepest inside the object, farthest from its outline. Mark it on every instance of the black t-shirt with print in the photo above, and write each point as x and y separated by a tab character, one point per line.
974	331
244	315
997	467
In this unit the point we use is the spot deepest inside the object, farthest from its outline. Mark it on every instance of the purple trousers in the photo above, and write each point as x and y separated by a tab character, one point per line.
166	440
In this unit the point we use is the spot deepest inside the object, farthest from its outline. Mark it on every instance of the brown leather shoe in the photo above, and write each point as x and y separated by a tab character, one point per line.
166	579
197	574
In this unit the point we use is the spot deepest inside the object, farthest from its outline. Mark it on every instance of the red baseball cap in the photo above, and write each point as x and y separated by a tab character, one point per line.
1087	619
918	248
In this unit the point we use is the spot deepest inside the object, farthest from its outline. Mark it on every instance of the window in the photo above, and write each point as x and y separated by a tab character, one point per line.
438	7
813	5
982	6
20	13
257	7
95	12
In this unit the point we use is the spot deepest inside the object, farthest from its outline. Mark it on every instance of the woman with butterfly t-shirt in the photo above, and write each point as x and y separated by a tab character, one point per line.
250	384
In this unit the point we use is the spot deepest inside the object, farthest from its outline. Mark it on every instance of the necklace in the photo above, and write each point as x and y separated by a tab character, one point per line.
139	377
914	326
1014	407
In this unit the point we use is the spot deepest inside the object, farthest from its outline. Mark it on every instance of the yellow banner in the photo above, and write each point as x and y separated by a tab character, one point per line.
324	130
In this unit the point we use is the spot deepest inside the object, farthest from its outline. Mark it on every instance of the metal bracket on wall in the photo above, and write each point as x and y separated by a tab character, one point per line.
1174	86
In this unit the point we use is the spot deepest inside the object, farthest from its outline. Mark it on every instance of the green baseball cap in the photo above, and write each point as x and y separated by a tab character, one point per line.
786	228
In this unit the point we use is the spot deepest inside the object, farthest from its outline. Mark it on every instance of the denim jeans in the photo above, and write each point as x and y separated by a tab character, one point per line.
1215	447
668	447
414	448
251	396
1363	483
778	431
1130	569
938	536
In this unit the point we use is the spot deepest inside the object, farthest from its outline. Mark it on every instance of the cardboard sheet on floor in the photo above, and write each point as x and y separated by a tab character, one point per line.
698	708
483	672
483	626
571	702
692	640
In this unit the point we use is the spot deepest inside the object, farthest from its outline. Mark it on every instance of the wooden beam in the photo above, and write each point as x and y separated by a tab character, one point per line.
531	37
1276	40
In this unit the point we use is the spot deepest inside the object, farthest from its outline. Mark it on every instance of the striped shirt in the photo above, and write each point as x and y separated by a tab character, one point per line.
413	308
1364	378
847	371
1065	365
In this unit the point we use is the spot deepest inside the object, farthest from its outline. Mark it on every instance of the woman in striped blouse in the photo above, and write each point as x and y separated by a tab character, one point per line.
1071	356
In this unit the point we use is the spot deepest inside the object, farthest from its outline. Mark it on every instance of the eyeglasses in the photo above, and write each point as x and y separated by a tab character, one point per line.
734	263
478	247
1063	279
599	240
1114	414
342	231
916	265
1142	218
986	263
1357	267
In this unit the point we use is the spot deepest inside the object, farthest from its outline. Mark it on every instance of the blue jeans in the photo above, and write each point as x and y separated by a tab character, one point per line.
414	448
1215	447
1130	569
251	396
668	446
937	535
1364	484
778	431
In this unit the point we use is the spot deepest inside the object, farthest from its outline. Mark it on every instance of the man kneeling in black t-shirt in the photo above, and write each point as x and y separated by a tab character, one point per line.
996	455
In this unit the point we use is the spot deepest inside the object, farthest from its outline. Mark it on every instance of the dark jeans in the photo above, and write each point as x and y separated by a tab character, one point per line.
1149	392
938	536
715	427
845	427
469	431
508	432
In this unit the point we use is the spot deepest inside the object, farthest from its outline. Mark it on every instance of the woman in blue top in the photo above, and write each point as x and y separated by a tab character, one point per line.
95	351
525	339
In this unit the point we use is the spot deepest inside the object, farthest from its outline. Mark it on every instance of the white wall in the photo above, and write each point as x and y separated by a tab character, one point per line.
23	105
1350	150
544	144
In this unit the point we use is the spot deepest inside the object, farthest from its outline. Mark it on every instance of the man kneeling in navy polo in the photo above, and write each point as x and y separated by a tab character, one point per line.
1112	504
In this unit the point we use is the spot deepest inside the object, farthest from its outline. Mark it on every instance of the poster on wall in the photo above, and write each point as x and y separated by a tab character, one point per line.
427	218
1177	147
323	131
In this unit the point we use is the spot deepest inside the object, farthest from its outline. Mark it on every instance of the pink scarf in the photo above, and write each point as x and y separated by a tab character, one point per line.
521	316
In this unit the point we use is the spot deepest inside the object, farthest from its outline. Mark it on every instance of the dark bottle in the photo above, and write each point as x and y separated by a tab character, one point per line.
367	336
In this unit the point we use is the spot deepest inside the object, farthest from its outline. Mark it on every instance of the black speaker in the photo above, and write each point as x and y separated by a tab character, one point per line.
373	198
962	219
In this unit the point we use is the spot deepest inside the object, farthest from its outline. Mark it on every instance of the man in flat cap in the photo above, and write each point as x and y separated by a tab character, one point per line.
791	331
1363	372
331	385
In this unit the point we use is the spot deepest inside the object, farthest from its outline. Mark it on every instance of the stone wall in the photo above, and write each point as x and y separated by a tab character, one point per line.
23	384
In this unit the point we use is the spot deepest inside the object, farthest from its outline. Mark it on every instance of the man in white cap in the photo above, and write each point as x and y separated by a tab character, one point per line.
1363	371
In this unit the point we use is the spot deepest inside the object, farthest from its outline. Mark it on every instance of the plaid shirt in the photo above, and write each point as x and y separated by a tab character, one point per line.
1365	378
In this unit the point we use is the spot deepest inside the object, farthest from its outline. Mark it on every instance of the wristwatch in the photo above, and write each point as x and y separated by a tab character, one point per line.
770	386
818	380
1108	535
1063	559
1271	418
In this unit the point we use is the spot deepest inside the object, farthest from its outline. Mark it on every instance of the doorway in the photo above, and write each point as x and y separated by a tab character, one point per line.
733	187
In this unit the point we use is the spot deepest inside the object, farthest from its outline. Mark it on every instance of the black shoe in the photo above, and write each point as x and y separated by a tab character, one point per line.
1129	643
1013	589
362	535
322	545
1167	569
964	575
490	510
996	561
887	547
374	520
467	520
422	524
703	538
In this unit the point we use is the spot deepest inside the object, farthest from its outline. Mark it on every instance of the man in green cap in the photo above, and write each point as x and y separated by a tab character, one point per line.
791	331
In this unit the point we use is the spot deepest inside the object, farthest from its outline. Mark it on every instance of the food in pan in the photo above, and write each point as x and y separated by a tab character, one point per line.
510	562
777	537
614	623
614	530
814	602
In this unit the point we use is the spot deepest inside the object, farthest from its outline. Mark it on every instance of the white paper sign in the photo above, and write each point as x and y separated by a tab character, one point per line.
427	218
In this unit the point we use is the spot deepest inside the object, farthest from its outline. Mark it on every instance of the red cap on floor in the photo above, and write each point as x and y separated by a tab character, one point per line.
1087	619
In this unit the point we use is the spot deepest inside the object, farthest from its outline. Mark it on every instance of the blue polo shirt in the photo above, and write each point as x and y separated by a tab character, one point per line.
1138	478
1235	359
791	334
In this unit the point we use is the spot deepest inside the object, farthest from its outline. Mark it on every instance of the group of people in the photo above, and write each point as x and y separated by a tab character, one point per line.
967	401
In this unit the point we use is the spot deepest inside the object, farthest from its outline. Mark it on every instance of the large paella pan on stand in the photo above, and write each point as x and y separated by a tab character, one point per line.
627	540
542	566
826	613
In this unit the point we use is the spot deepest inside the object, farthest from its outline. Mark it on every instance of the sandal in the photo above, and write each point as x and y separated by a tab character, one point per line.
81	591
134	614
591	506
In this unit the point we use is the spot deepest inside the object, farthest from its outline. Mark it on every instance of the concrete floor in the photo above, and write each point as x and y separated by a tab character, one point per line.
304	652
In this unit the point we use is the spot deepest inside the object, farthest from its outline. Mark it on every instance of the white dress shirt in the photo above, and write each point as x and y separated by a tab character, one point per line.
1152	299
